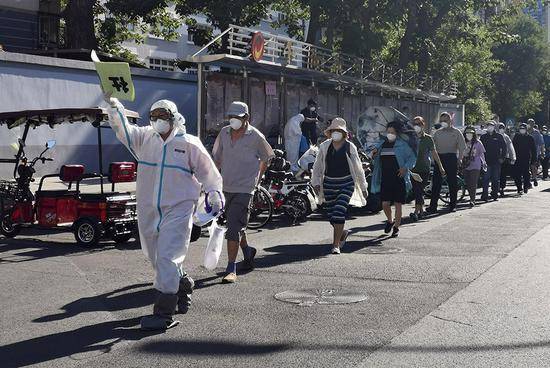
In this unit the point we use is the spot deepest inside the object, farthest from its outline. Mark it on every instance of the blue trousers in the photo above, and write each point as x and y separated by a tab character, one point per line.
493	176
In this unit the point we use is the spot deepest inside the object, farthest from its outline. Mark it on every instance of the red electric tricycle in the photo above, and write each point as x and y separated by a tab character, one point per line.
90	216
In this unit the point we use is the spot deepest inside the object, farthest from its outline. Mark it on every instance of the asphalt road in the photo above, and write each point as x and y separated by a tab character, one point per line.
462	289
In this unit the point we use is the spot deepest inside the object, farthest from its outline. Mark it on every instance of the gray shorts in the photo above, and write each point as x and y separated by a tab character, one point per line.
236	214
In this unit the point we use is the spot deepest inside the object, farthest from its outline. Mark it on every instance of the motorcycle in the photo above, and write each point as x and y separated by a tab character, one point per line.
294	198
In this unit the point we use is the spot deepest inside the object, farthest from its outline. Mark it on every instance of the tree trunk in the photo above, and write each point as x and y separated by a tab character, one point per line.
79	20
407	39
314	25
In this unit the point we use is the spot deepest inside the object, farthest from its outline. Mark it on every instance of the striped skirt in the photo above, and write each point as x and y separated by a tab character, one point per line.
338	192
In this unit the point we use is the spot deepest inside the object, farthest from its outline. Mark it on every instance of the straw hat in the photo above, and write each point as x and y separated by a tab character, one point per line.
337	124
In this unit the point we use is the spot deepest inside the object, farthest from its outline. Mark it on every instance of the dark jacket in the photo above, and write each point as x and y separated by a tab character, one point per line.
526	151
495	147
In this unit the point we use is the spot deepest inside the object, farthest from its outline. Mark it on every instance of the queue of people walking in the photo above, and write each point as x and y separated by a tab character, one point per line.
174	168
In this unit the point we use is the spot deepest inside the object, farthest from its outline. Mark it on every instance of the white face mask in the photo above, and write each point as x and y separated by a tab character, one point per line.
490	129
444	125
469	136
312	108
501	131
418	129
391	137
161	126
523	131
235	123
337	136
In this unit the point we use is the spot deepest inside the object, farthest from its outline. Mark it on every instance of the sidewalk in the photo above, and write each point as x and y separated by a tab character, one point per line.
502	319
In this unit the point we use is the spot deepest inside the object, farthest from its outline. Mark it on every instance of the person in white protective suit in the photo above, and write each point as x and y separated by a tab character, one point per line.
293	136
173	168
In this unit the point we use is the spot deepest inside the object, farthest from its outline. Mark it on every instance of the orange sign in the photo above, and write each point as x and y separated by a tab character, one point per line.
257	46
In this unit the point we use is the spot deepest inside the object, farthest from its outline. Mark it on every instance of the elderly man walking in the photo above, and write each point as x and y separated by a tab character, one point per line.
242	153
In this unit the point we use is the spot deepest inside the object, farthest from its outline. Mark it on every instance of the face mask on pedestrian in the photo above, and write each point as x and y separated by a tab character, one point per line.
235	123
469	136
312	108
444	124
161	126
337	136
502	131
391	137
522	131
490	128
418	129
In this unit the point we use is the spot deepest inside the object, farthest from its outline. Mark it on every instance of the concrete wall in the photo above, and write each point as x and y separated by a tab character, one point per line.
33	82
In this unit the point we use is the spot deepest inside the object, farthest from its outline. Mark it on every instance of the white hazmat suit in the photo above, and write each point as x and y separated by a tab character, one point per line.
293	136
170	176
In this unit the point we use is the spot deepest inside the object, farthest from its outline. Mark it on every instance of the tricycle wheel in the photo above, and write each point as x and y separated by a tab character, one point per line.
122	238
8	228
87	232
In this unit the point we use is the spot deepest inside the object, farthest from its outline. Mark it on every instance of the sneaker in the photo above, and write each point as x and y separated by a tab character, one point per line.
452	209
413	216
395	232
335	250
388	227
525	190
344	237
230	278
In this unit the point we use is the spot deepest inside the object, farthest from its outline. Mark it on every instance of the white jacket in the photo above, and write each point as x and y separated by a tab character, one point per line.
510	151
355	168
293	136
170	176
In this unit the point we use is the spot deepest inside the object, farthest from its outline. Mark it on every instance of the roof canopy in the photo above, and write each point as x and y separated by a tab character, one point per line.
308	62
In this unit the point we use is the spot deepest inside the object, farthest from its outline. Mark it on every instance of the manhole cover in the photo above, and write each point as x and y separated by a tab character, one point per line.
380	250
309	297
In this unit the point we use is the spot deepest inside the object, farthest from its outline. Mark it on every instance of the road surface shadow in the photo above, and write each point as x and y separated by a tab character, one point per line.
112	301
98	338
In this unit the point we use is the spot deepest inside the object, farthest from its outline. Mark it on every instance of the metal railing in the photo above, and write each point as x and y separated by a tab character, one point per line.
287	52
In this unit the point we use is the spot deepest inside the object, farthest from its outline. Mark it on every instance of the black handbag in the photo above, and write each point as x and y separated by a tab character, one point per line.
466	160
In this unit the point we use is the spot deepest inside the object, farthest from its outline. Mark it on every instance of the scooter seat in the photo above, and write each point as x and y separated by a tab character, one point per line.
55	193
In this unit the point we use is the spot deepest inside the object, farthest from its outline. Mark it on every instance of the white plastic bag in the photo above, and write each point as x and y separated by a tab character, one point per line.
215	245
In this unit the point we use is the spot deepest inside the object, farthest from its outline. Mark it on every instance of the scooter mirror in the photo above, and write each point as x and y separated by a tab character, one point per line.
50	144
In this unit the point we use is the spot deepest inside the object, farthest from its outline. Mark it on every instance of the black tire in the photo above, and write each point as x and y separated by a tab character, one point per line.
261	209
122	238
8	228
87	232
301	208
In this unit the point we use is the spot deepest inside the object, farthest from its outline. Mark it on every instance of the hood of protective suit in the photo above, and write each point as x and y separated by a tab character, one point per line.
179	120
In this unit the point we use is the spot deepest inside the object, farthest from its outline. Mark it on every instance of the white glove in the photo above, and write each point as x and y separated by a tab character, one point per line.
110	100
214	202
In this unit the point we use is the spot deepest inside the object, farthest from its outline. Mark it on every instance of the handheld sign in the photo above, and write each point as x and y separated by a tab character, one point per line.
115	78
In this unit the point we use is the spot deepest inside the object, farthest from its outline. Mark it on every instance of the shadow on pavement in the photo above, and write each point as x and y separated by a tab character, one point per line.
116	300
225	348
99	338
35	249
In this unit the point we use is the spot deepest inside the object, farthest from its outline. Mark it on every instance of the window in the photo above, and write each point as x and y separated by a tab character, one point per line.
190	38
161	64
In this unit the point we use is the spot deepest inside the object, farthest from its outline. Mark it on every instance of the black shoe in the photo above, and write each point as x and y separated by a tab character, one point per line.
472	204
525	190
520	192
452	209
502	192
536	183
431	210
388	227
413	216
485	198
395	232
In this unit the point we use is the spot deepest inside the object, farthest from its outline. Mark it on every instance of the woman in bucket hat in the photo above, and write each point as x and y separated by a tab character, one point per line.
339	179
